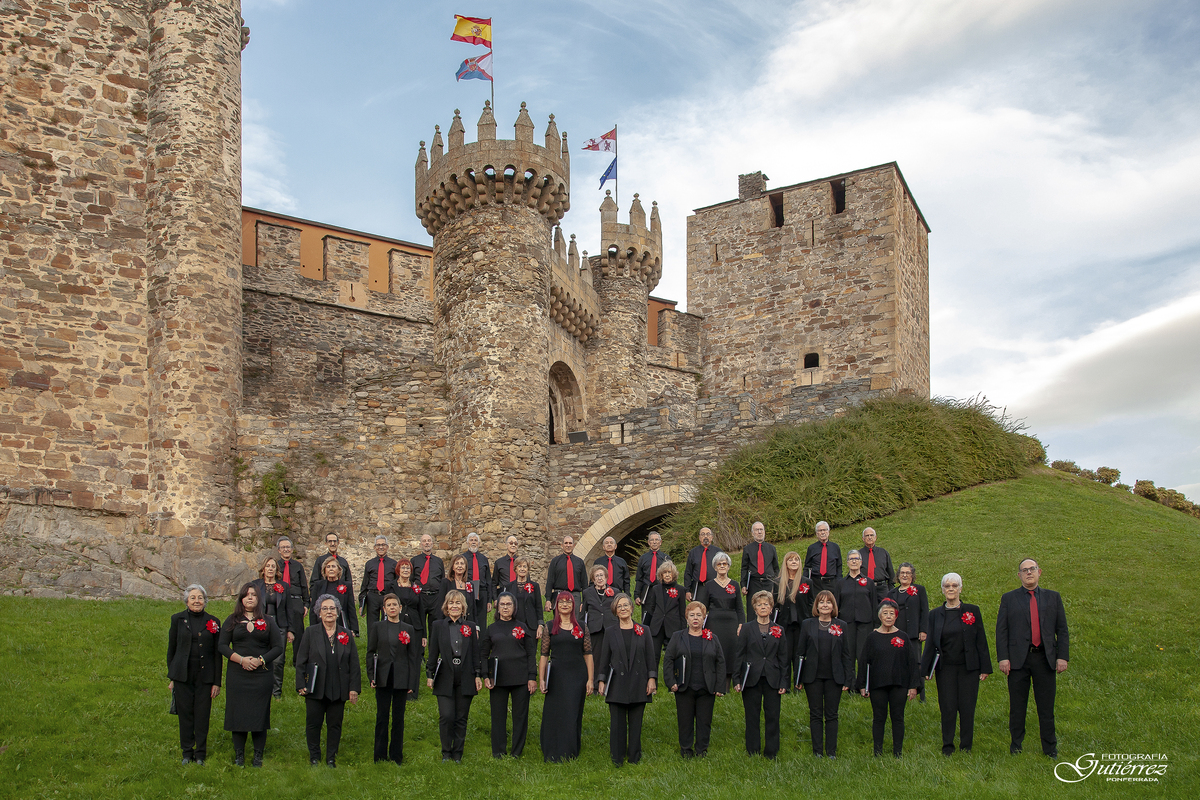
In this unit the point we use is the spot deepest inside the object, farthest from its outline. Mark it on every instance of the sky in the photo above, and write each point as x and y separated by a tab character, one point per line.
1053	146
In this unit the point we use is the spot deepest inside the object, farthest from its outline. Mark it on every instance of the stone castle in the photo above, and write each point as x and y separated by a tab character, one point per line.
182	379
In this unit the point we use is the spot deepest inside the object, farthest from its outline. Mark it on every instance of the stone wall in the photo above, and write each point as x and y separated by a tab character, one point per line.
912	295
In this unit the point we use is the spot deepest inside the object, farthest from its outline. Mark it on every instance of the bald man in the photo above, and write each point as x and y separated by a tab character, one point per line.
616	568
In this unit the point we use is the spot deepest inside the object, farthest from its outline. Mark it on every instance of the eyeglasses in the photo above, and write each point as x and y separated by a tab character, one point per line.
1029	570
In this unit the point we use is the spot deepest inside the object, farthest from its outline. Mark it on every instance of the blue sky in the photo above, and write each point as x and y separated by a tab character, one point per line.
1053	145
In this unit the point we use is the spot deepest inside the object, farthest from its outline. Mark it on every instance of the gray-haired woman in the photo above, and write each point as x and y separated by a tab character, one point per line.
194	671
723	597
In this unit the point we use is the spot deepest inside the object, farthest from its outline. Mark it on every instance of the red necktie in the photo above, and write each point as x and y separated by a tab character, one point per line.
570	575
1035	624
425	572
287	572
379	580
824	557
653	566
474	567
610	571
762	571
704	566
871	563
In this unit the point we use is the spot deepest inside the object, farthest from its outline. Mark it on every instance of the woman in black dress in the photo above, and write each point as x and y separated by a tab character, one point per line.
695	671
793	605
333	583
889	675
761	674
913	604
528	595
458	580
598	615
664	605
454	671
408	592
273	596
327	676
958	653
394	670
826	670
722	596
628	680
566	680
250	641
194	671
857	603
509	670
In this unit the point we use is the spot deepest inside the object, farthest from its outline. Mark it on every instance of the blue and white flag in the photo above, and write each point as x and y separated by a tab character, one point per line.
610	173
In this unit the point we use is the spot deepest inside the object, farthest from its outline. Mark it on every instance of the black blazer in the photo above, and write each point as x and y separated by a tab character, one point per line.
179	648
476	610
1014	635
320	562
975	644
620	572
666	613
446	642
313	651
275	604
485	575
767	656
556	575
750	563
715	677
856	600
913	616
808	648
631	668
691	568
516	656
644	577
347	616
386	653
529	602
597	610
795	612
833	560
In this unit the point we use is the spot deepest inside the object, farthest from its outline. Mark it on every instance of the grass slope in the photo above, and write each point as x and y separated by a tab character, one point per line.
84	693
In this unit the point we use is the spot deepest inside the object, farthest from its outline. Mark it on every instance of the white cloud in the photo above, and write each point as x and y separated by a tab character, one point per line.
264	172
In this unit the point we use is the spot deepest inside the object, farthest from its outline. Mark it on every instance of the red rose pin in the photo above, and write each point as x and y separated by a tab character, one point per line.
835	630
279	588
213	627
577	632
260	624
912	591
776	631
862	581
404	637
343	637
465	630
529	588
518	633
341	589
672	592
968	618
608	592
416	587
897	641
706	634
638	629
804	587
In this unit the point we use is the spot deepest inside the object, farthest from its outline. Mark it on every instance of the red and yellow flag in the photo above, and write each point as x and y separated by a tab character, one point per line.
472	30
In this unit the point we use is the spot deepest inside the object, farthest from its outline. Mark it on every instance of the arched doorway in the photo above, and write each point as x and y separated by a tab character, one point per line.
566	403
631	515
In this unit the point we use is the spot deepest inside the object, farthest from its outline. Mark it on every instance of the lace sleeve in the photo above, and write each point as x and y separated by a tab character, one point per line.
545	645
587	642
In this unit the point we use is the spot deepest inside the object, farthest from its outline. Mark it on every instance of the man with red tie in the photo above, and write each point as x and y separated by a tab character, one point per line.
699	566
290	573
1032	645
760	565
566	573
505	571
379	579
647	570
877	564
428	572
823	560
616	567
479	572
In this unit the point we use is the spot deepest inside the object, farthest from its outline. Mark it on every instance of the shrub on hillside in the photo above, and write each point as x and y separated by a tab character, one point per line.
1167	497
1109	475
1088	474
1124	487
879	457
1065	466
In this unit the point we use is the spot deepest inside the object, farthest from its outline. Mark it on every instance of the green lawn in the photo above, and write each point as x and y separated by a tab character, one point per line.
84	708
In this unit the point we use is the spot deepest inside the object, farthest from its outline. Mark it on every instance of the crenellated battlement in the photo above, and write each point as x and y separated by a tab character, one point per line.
491	171
634	249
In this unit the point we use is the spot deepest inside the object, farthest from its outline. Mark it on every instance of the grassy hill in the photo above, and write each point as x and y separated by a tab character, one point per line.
84	688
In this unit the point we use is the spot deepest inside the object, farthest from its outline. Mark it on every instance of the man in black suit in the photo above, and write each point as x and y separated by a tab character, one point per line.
566	573
379	580
1032	647
479	572
760	565
647	570
505	571
616	567
699	568
877	564
823	560
290	572
331	542
428	571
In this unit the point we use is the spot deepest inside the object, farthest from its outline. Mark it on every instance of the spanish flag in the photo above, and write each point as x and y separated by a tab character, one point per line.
472	30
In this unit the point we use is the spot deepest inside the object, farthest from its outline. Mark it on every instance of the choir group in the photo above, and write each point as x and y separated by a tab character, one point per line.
803	626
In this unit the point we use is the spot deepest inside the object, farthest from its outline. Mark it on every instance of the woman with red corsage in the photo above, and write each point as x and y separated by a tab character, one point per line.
509	670
694	669
826	670
957	653
455	673
565	675
721	595
334	584
628	678
664	607
408	592
327	676
913	604
597	607
394	670
761	674
193	671
888	674
793	605
857	603
528	596
272	595
250	641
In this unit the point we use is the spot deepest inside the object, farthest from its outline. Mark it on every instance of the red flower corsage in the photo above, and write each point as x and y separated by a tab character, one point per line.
341	589
404	637
528	588
862	581
804	587
638	630
416	587
343	637
577	632
776	631
672	592
729	588
278	588
608	592
835	630
968	618
518	633
465	630
213	627
706	634
260	624
911	590
897	642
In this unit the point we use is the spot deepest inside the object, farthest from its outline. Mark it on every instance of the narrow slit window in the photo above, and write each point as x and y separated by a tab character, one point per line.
839	195
812	360
777	210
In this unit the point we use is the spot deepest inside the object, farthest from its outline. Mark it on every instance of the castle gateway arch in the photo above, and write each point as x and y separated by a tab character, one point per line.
632	514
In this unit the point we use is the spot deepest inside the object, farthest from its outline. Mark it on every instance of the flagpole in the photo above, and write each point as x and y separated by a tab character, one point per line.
616	180
493	80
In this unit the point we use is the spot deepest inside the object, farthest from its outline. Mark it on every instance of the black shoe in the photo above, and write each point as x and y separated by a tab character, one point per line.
1051	754
964	750
878	753
277	695
331	764
445	759
186	760
257	762
199	762
1013	750
239	758
314	762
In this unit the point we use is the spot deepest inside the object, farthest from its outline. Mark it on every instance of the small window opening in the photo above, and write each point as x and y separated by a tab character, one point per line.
716	252
839	195
777	210
552	421
812	360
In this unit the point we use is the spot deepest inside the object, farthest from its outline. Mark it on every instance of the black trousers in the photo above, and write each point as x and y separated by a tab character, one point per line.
824	696
193	702
277	669
793	640
625	732
885	699
694	712
452	720
658	642
1045	683
761	699
958	691
520	715
372	608
431	604
856	634
756	585
390	703
258	737
329	712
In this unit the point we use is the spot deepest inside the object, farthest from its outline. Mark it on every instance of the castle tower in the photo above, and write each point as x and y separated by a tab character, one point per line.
626	271
491	206
194	252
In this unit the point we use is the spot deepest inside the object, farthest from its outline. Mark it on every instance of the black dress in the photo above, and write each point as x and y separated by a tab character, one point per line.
248	693
725	614
566	690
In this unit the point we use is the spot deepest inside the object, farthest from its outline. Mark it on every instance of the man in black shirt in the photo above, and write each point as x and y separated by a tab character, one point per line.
699	568
760	565
479	573
379	579
823	561
505	571
332	542
647	569
428	572
566	573
290	572
615	566
877	564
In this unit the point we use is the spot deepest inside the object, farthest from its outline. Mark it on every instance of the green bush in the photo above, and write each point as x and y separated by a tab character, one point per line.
1109	475
1065	466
